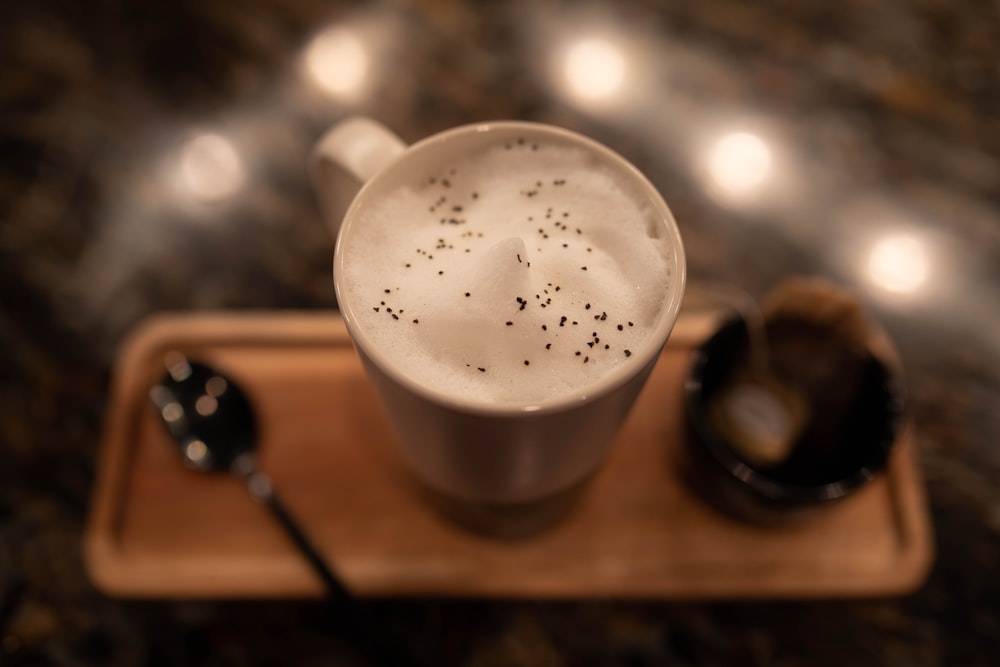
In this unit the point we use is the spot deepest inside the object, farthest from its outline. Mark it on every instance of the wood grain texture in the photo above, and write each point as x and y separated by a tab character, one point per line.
157	529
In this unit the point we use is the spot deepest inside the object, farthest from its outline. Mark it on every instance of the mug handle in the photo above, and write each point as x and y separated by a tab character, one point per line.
345	157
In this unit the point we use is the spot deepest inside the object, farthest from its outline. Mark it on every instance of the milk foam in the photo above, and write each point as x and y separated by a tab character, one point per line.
521	273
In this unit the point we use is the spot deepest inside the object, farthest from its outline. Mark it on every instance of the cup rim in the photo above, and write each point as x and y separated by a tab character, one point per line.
643	355
759	482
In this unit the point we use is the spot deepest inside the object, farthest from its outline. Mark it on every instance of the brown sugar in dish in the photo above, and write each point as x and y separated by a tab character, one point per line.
818	349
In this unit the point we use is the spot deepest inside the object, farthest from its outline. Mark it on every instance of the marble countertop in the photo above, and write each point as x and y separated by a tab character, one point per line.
869	153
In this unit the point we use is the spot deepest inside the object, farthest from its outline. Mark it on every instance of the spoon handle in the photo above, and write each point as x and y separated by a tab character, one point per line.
348	610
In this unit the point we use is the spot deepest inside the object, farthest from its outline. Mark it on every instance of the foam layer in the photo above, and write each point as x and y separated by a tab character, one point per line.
518	274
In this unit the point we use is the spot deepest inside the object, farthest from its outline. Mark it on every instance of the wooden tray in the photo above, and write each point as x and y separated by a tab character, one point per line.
157	529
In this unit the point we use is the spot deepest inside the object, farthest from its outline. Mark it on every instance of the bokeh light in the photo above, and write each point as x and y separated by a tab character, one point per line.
593	69
206	405
196	452
739	163
899	264
210	169
337	62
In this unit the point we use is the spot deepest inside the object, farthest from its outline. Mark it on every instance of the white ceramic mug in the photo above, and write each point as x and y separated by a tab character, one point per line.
486	454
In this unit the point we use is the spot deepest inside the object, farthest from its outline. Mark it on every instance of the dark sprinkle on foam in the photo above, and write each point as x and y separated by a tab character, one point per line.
537	188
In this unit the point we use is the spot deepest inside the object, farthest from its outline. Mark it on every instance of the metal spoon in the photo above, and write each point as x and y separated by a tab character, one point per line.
215	427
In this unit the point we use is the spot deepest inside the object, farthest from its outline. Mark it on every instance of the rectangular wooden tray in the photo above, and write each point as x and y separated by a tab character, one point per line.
157	529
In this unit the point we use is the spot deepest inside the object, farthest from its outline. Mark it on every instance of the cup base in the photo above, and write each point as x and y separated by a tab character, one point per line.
506	521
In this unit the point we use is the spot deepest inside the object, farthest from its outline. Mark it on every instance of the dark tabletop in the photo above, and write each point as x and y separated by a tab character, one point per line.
869	137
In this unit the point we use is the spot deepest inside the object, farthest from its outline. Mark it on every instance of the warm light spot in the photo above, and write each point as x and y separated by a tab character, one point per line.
337	62
172	411
206	405
178	366
739	163
196	451
210	168
899	264
215	386
594	69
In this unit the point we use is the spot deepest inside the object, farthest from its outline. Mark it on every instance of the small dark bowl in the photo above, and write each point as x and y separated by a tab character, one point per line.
834	455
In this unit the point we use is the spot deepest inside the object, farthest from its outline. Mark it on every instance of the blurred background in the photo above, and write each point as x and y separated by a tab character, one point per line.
153	158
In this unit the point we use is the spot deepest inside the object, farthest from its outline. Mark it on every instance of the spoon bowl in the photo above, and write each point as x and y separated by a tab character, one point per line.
209	417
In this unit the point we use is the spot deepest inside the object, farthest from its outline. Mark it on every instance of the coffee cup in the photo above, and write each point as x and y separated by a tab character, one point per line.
508	287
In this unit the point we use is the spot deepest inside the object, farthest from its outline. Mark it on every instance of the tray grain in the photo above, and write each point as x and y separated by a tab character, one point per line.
157	529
